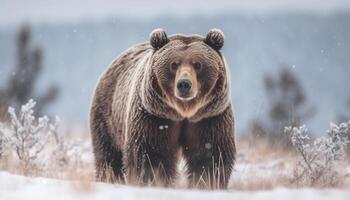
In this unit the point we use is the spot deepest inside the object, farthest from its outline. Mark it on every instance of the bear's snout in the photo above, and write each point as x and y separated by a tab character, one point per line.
186	84
184	87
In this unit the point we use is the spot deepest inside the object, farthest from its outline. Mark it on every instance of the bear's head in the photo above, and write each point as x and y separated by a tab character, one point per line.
189	70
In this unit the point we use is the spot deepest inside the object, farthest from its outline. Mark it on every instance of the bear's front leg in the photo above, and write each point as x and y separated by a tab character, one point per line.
209	148
150	155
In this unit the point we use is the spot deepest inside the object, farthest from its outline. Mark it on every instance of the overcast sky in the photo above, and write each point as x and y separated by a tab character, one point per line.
15	11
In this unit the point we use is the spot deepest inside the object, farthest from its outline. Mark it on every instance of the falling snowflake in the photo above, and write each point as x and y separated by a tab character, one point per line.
208	145
162	127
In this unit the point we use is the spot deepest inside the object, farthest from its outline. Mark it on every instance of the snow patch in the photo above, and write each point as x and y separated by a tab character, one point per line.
20	187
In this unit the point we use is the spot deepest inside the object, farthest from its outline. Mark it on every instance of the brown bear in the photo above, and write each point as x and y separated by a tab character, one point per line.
161	99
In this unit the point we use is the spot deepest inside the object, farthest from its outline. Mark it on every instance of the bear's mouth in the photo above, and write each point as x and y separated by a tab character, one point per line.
185	98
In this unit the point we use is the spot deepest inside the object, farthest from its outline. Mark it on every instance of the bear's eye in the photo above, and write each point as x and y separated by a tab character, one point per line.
174	66
197	66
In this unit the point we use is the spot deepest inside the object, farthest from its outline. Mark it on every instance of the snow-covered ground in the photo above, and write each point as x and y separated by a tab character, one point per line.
19	187
260	172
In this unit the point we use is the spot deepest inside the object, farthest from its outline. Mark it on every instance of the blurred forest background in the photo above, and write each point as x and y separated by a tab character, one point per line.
289	65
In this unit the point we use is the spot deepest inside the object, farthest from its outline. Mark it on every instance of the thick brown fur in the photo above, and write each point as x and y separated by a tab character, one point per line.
139	124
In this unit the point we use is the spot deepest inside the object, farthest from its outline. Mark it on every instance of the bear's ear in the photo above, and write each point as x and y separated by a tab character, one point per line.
215	39
158	38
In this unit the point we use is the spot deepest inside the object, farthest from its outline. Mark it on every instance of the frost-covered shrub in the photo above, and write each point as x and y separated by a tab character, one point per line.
27	136
3	140
40	148
318	163
66	153
340	132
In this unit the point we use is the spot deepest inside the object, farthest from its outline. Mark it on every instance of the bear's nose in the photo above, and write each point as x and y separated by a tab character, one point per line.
184	86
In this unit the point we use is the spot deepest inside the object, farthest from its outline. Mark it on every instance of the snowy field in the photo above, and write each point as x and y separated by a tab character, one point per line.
19	187
253	178
263	176
38	161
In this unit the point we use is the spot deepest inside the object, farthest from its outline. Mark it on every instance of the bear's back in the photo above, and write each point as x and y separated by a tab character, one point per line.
109	101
